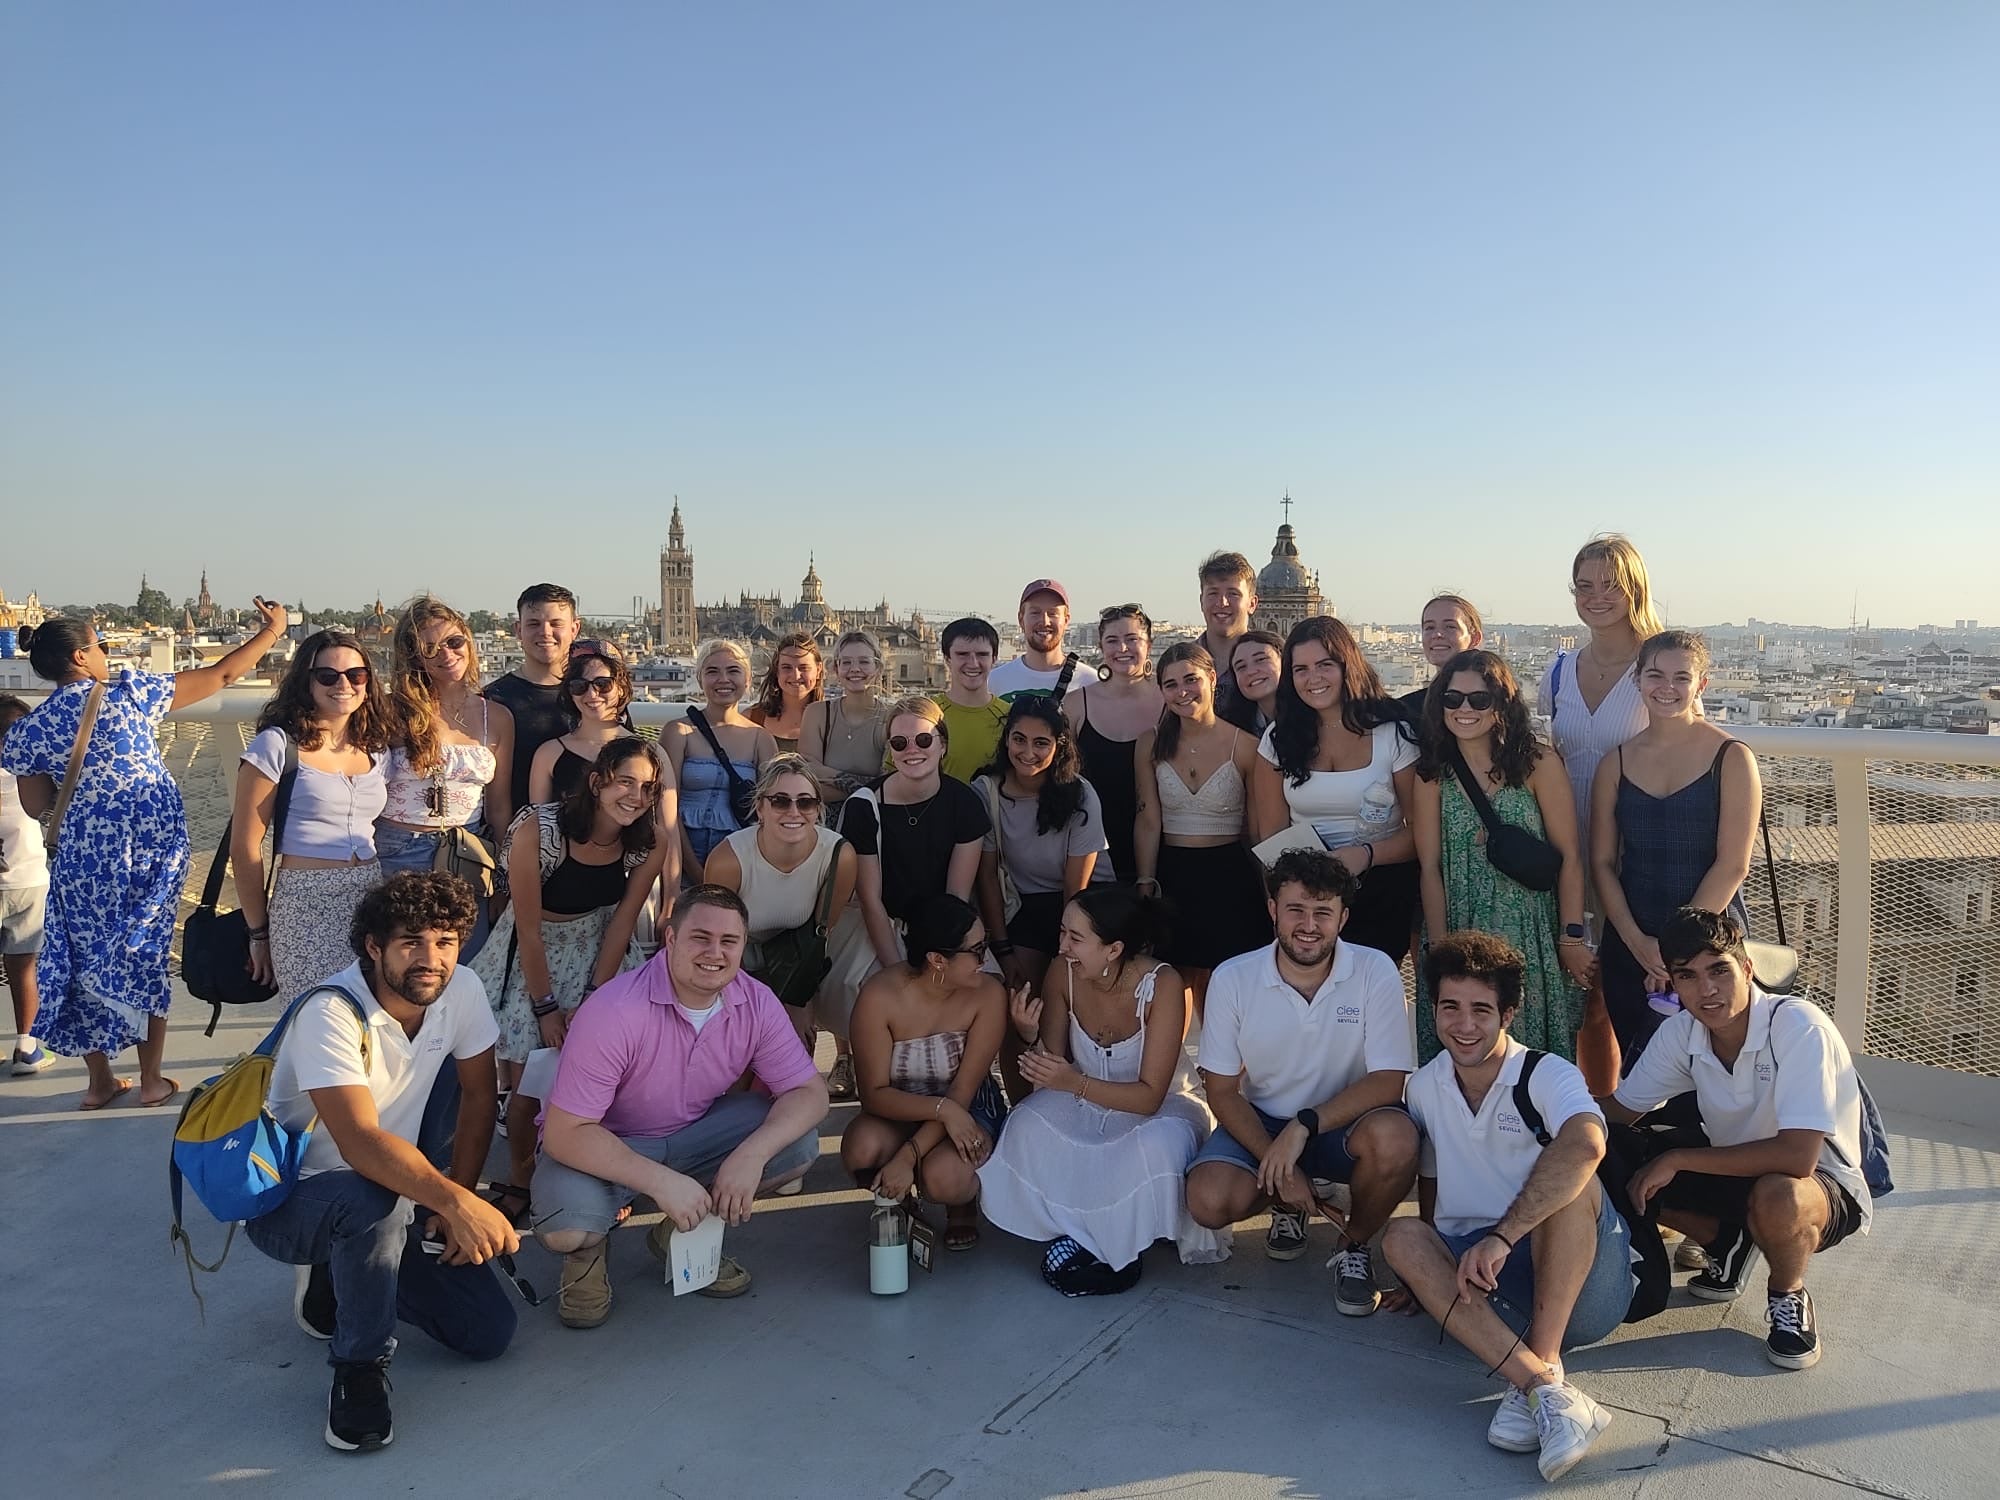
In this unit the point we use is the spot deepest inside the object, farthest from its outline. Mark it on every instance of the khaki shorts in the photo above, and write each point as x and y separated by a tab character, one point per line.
21	919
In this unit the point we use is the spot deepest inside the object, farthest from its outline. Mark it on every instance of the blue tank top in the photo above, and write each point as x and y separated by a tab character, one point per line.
1667	845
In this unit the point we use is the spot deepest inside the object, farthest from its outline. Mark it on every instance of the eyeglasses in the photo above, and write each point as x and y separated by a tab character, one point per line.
583	687
977	950
452	643
328	676
1478	701
899	743
805	802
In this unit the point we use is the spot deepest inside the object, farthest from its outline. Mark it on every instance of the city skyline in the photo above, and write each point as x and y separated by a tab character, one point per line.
337	302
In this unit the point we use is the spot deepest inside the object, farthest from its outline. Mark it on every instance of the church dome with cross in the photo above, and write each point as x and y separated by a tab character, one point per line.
1287	590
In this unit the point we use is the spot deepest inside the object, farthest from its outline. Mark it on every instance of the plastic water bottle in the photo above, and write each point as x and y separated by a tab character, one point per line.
1377	815
888	1248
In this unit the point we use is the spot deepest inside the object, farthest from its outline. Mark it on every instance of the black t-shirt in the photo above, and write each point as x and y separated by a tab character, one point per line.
916	842
538	718
1412	705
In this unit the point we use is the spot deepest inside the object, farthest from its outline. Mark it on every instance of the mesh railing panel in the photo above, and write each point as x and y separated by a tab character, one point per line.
1799	806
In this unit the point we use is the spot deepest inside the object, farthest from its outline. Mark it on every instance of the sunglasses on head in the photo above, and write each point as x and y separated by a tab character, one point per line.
582	687
899	742
805	802
328	676
1478	701
449	643
590	647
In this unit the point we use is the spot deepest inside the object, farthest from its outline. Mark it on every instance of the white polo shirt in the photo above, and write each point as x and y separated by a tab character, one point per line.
1801	1078
1482	1161
323	1050
1294	1054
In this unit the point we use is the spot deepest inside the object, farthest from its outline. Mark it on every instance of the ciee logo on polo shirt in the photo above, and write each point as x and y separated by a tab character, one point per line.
435	1044
1764	1072
1348	1014
1508	1121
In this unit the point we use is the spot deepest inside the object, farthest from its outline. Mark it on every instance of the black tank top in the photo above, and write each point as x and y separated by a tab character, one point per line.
574	888
1108	767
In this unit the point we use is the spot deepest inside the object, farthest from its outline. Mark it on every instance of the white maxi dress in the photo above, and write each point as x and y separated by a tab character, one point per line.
1109	1179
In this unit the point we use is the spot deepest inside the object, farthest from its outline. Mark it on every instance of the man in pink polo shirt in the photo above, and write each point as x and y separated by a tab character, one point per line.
641	1105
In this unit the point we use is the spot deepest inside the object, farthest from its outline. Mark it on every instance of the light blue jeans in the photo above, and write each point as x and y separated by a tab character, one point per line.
1607	1290
399	849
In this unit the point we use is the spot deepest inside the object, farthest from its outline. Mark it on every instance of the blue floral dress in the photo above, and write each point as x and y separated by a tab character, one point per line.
115	882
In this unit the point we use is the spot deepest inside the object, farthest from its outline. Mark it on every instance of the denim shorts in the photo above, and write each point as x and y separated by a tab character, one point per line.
1326	1155
1607	1290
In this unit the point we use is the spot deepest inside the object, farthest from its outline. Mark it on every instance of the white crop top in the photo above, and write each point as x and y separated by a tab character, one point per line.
1217	808
331	816
1351	807
461	777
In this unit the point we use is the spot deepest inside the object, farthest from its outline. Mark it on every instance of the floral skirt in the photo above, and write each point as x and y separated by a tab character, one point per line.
571	948
311	914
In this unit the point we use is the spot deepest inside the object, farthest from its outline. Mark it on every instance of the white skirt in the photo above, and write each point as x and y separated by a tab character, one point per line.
1111	1181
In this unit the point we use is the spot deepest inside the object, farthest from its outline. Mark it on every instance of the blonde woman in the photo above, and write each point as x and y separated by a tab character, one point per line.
452	761
843	736
716	753
794	681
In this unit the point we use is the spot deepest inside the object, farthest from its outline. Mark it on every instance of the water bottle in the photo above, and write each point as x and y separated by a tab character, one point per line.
1378	814
888	1248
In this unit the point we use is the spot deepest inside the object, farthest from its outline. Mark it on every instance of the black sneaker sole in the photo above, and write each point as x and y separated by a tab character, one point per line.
364	1445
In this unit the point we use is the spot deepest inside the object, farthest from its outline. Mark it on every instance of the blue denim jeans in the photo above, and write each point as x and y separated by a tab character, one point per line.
399	849
370	1239
1600	1304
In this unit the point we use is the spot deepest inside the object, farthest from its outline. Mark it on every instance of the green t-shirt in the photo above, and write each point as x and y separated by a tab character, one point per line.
973	734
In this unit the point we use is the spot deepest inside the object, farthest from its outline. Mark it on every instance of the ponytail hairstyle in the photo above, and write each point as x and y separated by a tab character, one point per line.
579	808
1466	610
1060	797
939	927
370	727
1167	733
1363	704
52	644
411	699
1515	749
1123	914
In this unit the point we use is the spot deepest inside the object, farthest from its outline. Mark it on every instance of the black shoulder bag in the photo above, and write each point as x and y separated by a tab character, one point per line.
1516	853
215	946
794	962
742	794
1776	965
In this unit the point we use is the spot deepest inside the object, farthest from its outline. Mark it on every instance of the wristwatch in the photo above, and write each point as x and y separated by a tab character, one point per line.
1310	1119
1575	931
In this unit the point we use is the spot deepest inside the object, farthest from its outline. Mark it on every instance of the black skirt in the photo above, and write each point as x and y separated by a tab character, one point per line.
1384	913
1038	924
1216	904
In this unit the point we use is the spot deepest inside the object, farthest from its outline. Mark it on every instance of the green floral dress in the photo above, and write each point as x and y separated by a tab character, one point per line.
1479	897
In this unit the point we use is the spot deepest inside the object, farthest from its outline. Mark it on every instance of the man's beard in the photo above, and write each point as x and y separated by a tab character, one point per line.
416	984
1300	959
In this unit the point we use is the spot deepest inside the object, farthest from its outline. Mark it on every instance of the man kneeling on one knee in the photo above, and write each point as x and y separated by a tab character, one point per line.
1304	1049
1780	1106
1517	1251
642	1104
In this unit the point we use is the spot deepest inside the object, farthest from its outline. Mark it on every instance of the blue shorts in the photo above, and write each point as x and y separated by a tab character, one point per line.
1326	1155
1607	1290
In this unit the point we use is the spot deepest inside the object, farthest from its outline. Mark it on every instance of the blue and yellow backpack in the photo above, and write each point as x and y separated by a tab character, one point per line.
228	1146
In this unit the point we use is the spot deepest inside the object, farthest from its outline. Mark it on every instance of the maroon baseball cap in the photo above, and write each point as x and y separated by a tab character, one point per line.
1046	586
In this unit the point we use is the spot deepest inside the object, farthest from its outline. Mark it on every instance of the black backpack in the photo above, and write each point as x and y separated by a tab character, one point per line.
1651	1269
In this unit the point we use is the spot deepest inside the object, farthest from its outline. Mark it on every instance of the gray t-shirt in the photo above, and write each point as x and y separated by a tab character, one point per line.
1036	860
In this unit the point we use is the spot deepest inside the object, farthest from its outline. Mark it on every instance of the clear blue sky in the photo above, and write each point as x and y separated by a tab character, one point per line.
365	297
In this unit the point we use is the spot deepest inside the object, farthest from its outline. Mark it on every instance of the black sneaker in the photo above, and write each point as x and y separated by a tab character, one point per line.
312	1301
357	1412
1354	1291
1729	1261
1794	1340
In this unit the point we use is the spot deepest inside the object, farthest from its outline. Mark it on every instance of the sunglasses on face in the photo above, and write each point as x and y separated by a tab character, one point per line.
327	676
452	643
805	802
583	687
1478	701
899	743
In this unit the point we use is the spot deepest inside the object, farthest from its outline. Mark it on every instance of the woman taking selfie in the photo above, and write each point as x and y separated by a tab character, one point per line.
331	714
119	851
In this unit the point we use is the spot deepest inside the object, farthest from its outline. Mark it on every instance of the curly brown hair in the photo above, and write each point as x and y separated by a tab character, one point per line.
414	901
372	726
1482	958
1515	748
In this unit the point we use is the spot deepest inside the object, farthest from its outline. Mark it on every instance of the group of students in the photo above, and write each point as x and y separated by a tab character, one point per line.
1009	902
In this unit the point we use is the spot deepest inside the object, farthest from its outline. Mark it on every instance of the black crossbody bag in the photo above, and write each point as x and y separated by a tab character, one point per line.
1521	856
742	794
215	946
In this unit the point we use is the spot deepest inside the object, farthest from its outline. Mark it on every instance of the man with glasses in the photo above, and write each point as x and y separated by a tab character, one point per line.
366	1055
640	1110
1043	617
545	623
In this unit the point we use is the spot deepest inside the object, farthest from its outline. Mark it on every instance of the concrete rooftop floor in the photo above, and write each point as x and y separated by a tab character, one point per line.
1236	1380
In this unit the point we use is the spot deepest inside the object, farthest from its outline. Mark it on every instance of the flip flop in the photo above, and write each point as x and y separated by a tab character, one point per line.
125	1087
166	1098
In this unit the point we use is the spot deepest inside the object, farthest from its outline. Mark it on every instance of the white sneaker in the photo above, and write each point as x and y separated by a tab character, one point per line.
1567	1422
1513	1428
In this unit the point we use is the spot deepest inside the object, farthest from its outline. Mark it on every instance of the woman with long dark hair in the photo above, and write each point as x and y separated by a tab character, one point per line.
595	710
1338	757
1047	834
1193	811
1093	1161
451	765
1110	715
121	851
331	710
793	682
1474	716
1257	661
578	872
